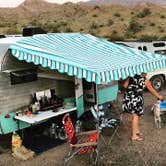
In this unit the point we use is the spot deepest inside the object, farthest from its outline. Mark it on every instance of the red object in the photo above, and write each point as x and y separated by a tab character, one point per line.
28	113
73	139
7	116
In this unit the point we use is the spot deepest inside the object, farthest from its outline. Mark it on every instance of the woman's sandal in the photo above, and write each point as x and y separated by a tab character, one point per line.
137	139
139	134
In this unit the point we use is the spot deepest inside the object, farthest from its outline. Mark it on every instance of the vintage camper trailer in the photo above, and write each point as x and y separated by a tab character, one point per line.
20	80
78	66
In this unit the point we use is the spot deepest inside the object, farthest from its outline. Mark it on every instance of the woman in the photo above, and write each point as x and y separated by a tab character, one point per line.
133	100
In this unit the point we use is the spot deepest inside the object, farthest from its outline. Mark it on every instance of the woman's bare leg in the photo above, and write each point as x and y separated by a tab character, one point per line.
135	126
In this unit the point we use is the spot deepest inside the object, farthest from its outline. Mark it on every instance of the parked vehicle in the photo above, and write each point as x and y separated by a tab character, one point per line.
157	77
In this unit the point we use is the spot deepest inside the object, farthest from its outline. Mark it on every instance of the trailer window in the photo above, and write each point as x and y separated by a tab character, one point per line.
144	48
161	44
163	52
140	48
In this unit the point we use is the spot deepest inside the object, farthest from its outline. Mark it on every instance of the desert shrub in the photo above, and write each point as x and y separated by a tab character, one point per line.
96	7
63	23
114	32
117	15
2	24
147	38
110	22
161	30
162	16
52	27
6	24
134	26
13	30
145	12
94	15
162	38
94	25
132	13
68	29
116	37
152	24
92	32
33	22
129	35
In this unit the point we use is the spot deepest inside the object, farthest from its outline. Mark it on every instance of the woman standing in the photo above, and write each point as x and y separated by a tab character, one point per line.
133	100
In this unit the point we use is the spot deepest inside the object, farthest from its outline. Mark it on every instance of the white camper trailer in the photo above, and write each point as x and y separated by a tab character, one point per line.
158	77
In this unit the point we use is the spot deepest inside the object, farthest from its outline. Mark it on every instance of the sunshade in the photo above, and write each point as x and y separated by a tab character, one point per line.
85	56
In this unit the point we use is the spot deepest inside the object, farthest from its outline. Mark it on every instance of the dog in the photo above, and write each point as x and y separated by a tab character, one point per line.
156	111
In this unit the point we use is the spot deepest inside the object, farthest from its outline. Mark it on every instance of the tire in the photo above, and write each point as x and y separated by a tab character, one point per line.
62	134
157	82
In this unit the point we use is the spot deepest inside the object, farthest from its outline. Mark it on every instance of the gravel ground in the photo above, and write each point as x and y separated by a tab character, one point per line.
121	151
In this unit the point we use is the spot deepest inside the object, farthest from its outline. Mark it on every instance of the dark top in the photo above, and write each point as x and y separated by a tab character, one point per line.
133	97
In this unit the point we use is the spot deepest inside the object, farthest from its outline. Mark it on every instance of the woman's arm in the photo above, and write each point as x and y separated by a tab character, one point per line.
152	90
126	83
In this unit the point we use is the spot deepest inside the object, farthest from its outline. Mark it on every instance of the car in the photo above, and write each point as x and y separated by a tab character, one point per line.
157	77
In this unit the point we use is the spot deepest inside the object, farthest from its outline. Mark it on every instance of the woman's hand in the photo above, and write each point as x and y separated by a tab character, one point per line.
153	91
160	97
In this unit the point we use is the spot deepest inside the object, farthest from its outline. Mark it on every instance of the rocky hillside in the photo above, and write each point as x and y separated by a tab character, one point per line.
114	22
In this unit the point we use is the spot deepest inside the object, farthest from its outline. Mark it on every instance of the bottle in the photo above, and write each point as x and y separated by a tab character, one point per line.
38	106
78	126
34	99
34	108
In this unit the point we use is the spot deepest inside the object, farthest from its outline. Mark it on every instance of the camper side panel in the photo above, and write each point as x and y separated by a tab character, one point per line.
13	97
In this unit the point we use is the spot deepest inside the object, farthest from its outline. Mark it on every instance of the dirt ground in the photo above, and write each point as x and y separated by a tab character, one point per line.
121	151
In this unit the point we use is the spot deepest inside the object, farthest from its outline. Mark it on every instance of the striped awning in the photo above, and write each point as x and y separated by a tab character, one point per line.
86	56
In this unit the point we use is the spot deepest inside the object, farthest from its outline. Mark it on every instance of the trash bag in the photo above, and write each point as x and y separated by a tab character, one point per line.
16	141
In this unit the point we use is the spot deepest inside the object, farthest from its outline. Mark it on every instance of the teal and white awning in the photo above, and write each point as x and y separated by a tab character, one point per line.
86	56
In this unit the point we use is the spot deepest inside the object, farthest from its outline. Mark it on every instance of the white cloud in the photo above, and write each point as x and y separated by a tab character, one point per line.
14	3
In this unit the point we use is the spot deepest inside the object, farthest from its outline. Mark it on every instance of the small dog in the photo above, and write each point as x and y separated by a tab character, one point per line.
156	111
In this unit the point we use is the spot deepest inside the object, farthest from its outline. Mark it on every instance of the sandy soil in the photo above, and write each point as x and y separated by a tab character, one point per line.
121	151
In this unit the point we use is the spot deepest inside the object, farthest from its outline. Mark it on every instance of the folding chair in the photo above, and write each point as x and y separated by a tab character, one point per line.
104	121
80	143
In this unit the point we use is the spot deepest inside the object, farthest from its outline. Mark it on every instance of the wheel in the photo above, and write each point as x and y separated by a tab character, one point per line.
62	134
157	82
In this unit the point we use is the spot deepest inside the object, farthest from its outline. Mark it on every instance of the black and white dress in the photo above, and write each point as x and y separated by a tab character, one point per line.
133	98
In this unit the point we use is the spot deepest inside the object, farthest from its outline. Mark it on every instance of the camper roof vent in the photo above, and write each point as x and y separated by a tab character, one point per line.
32	30
2	36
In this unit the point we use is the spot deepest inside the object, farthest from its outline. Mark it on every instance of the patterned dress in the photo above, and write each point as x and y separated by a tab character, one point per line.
133	98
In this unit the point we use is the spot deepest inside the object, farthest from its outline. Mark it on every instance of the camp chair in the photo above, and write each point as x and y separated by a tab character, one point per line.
104	120
80	143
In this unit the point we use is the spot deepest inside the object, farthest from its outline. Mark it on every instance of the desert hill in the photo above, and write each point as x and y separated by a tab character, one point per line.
115	22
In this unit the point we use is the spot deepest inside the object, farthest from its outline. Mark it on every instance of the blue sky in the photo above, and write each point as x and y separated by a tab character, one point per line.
14	3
